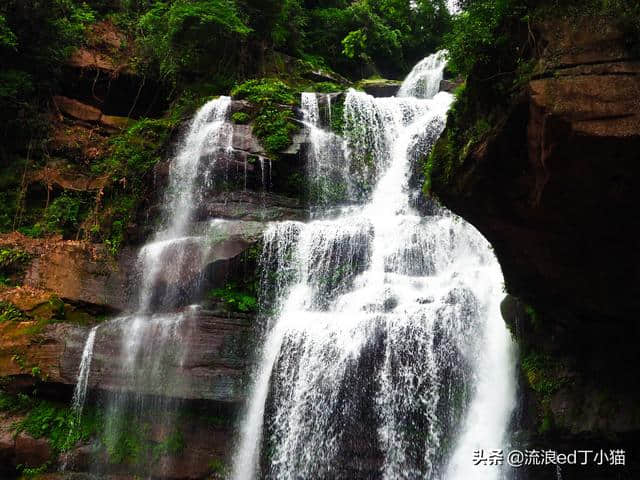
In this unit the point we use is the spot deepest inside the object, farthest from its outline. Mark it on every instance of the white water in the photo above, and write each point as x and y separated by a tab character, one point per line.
327	173
169	266
387	356
424	80
80	392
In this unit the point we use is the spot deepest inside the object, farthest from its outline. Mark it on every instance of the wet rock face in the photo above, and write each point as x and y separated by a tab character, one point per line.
76	271
81	273
20	449
208	364
552	190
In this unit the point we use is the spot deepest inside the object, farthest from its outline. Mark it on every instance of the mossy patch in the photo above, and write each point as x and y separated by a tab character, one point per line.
235	298
273	121
545	377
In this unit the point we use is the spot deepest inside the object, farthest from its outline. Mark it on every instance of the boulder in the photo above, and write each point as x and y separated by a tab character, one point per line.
115	122
76	109
380	87
243	139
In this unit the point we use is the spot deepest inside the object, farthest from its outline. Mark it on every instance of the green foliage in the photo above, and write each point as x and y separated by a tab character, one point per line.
217	466
337	117
14	403
34	472
465	129
8	39
59	424
273	124
235	299
476	35
129	442
241	118
183	35
274	127
327	87
65	214
541	373
9	312
124	440
133	154
12	261
265	91
15	85
389	35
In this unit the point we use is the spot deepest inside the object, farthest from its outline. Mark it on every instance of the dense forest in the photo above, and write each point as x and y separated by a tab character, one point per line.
181	52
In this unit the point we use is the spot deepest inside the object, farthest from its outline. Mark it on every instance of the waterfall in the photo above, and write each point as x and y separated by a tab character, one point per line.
327	172
424	80
384	354
80	392
150	343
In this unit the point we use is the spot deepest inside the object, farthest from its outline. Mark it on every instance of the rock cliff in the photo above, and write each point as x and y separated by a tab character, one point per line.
551	187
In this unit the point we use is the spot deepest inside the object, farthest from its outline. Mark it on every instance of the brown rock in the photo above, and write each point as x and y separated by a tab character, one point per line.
68	179
80	272
243	139
210	367
553	190
76	109
112	121
31	452
84	58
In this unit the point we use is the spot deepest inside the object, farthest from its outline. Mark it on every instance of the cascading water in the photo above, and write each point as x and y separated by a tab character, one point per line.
386	356
149	344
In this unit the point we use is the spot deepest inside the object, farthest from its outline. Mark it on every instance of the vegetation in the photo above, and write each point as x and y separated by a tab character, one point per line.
190	50
59	424
132	156
235	298
273	123
492	45
12	262
9	312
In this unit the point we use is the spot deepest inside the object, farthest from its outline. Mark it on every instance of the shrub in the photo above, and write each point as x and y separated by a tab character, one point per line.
241	117
235	299
273	123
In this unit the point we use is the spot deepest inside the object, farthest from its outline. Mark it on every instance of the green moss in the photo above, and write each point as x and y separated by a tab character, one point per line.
235	299
541	373
265	91
241	118
326	87
273	122
465	129
337	116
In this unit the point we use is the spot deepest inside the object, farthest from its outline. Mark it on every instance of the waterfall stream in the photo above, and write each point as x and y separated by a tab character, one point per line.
383	352
149	344
385	355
